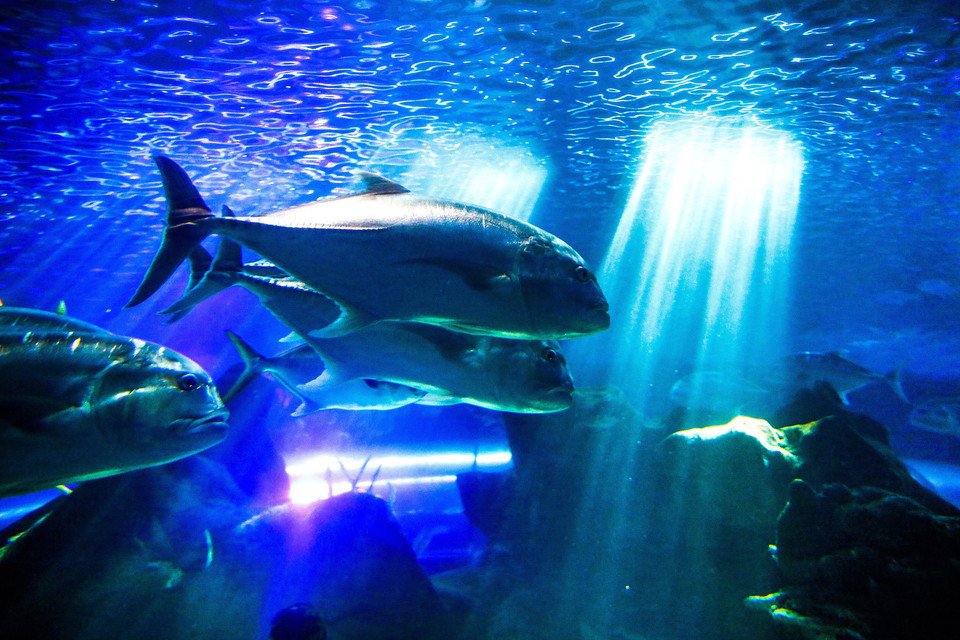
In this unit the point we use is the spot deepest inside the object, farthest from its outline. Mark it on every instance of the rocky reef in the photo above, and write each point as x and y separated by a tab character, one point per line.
739	531
606	528
176	553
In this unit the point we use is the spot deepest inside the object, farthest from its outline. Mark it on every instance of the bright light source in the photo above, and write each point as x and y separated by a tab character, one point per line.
460	460
697	272
311	478
307	489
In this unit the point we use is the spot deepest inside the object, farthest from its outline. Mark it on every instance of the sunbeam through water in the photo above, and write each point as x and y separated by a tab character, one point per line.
698	268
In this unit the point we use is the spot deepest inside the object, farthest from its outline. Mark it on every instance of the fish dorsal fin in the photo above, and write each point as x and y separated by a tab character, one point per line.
374	184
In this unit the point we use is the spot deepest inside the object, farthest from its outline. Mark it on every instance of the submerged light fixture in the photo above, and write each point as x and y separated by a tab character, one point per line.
320	476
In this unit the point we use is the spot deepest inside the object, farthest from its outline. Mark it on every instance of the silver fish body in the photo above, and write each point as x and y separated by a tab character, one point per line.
392	255
717	390
520	376
80	405
405	358
299	366
20	319
803	370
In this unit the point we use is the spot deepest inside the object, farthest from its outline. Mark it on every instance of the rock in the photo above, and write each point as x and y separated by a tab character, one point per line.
867	563
485	496
129	557
713	503
348	557
557	523
853	450
175	553
809	405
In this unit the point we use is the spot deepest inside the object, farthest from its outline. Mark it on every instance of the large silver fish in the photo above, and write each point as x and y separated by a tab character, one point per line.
301	365
388	254
77	403
525	376
519	376
717	391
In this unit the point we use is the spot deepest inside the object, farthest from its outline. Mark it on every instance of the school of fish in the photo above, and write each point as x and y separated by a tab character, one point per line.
397	298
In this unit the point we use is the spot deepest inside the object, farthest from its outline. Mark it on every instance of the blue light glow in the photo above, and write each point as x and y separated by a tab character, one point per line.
311	478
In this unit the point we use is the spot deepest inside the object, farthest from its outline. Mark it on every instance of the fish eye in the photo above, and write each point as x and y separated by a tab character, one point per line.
550	355
581	273
188	382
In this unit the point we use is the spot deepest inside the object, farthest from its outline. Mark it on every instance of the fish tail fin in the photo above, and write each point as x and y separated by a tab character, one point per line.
895	380
216	274
186	212
253	364
229	258
200	262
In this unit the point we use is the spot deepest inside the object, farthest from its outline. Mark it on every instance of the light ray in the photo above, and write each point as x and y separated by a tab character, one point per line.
697	271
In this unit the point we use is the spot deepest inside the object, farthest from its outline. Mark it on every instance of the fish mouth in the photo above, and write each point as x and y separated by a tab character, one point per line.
601	313
213	421
562	394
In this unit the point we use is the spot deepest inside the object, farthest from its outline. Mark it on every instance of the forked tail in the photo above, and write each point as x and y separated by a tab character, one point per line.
211	277
186	211
252	366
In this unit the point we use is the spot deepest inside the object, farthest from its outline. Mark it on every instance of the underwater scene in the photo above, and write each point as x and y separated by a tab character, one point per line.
480	319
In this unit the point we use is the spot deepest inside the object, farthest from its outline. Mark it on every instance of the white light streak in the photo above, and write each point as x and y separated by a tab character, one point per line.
311	478
697	271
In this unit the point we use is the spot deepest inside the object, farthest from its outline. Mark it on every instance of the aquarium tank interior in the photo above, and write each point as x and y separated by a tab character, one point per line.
480	319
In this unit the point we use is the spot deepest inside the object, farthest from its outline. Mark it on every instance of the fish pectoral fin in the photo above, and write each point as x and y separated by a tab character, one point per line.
478	276
292	337
308	391
349	320
324	381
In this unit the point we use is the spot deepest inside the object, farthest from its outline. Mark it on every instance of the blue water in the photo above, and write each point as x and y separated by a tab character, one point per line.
539	109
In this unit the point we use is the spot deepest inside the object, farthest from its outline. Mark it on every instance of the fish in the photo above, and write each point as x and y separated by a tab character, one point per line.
388	254
20	319
718	391
77	403
447	367
503	374
939	415
292	302
302	364
802	370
